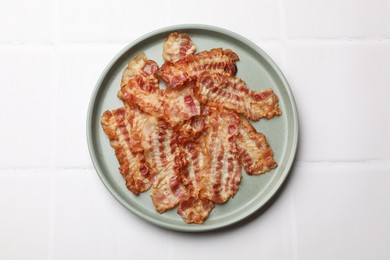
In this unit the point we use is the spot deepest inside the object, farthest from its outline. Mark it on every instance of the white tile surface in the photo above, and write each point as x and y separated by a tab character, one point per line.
91	224
274	49
24	218
25	106
341	211
26	21
341	90
261	18
336	57
267	236
79	68
116	20
337	18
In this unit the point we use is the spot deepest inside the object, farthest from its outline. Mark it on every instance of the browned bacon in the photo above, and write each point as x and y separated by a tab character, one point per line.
187	141
140	86
187	69
194	209
180	104
253	151
177	46
220	90
222	174
176	106
192	128
145	93
164	155
133	166
140	65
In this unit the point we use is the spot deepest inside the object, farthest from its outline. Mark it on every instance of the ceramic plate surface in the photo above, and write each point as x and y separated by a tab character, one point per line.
259	72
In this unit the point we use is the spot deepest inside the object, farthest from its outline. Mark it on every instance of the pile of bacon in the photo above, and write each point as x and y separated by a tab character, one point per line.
188	142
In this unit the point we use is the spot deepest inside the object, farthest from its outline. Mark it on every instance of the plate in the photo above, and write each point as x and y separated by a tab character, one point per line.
259	72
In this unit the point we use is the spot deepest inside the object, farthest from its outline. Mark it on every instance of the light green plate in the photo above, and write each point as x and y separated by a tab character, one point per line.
258	71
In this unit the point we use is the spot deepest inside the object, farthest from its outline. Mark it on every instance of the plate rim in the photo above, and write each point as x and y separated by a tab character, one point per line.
199	228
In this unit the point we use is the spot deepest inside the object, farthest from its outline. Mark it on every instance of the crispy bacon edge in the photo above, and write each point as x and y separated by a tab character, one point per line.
220	90
180	104
222	176
133	166
193	209
188	69
253	152
165	155
177	46
140	65
145	93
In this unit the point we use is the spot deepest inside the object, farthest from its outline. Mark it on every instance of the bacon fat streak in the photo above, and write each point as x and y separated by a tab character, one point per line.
177	46
188	69
216	90
133	166
253	151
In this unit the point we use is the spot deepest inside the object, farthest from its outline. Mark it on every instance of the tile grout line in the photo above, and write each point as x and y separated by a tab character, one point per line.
46	168
379	162
54	95
52	216
283	33
54	89
54	92
383	161
284	37
388	21
294	228
123	43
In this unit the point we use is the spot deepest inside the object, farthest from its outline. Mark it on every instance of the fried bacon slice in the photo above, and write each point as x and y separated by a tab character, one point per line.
188	69
177	46
253	151
222	174
175	106
194	209
187	141
192	129
219	90
164	155
133	165
180	104
145	93
140	65
140	86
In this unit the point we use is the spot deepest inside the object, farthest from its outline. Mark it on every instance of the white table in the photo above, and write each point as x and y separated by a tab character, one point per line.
335	204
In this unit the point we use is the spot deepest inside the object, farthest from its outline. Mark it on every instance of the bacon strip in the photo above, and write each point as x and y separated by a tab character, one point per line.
177	46
164	155
159	137
192	128
180	104
220	90
139	85
253	151
133	166
176	106
194	209
145	93
222	175
140	65
188	69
